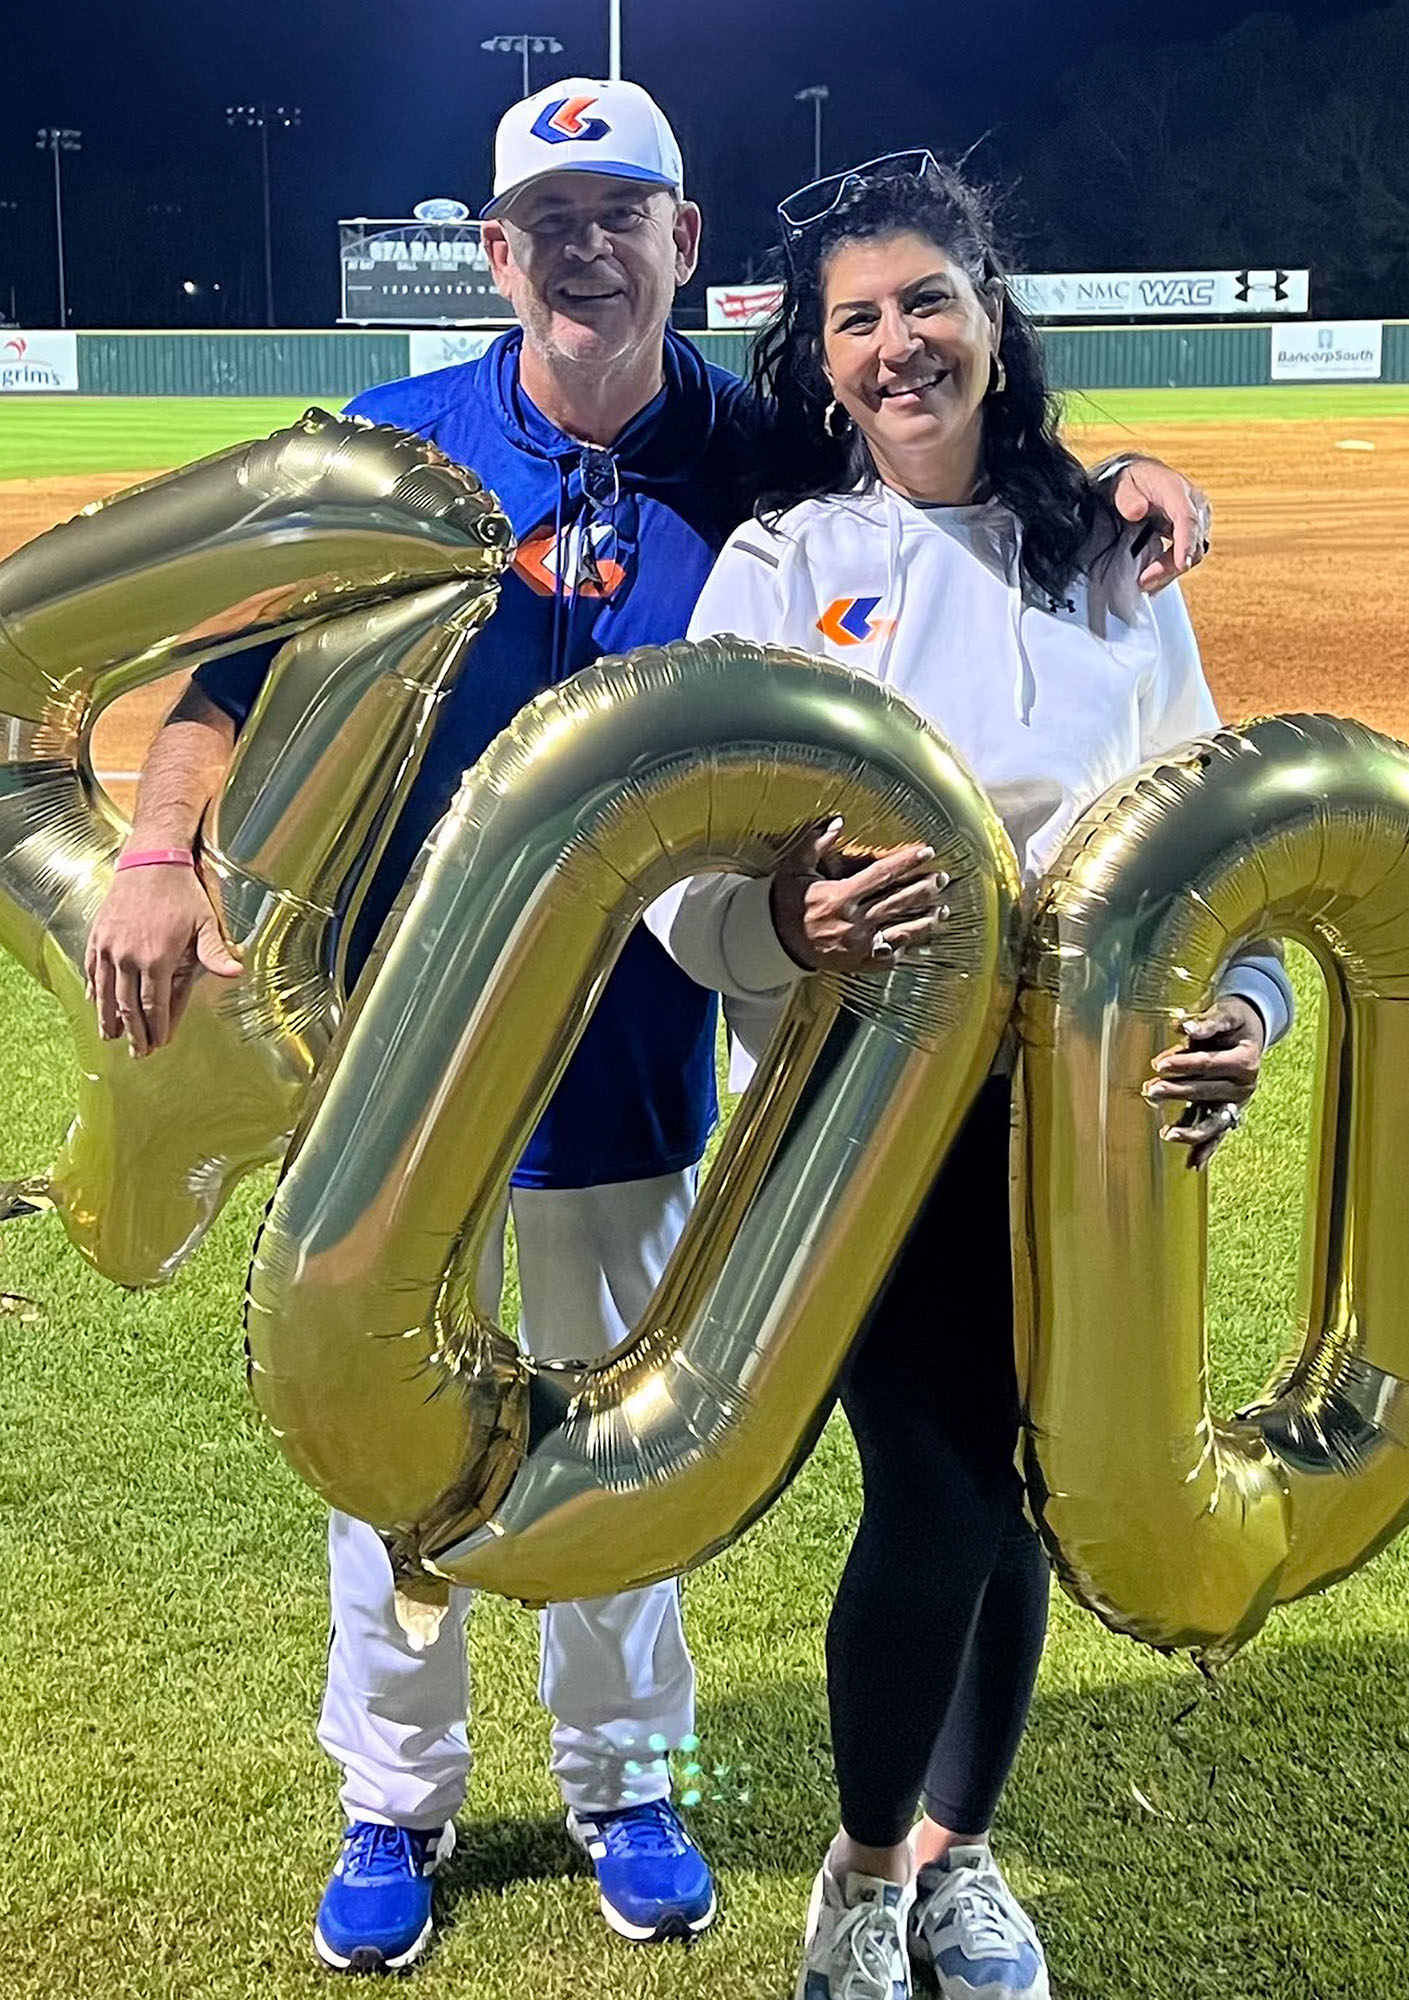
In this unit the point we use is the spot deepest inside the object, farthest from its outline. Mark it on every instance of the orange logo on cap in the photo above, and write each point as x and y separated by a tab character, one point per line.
565	120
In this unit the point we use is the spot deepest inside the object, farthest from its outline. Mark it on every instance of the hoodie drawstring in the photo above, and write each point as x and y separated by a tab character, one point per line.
1025	694
559	645
895	578
1005	537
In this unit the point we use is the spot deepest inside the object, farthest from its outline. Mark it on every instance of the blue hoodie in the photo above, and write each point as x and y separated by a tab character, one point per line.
614	548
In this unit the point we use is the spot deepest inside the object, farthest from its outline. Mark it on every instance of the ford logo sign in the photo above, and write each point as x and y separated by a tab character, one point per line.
442	209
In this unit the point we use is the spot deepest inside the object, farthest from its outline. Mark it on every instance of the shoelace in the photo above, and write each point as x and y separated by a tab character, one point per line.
981	1915
981	1919
873	1934
648	1829
377	1850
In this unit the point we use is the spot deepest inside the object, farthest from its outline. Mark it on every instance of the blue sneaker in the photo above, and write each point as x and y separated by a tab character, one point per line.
971	1935
655	1883
853	1946
375	1915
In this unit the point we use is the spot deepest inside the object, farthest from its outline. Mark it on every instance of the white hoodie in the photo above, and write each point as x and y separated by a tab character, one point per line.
1048	705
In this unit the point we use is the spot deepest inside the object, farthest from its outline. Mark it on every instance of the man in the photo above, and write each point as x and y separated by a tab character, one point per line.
623	461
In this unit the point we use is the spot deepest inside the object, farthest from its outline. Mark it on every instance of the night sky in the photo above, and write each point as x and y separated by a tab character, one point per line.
399	103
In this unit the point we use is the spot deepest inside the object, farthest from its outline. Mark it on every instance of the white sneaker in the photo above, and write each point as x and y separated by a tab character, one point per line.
854	1944
970	1932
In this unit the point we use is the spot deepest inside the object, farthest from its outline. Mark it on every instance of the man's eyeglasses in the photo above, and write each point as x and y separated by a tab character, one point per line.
819	199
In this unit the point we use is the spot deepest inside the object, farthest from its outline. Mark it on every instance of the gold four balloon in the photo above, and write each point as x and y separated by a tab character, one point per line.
404	1403
380	561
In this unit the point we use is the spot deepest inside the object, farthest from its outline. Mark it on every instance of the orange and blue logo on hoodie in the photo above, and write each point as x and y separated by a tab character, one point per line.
557	123
852	621
573	563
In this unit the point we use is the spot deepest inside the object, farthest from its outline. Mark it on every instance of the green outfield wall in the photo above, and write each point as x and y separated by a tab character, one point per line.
334	366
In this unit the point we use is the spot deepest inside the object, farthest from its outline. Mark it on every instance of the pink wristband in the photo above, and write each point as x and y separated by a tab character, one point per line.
157	857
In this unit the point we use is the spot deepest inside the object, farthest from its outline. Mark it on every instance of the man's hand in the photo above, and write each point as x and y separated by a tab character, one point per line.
1213	1072
1176	515
842	913
155	929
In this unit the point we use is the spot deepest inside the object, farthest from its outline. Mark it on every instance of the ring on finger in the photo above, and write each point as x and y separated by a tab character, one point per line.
881	946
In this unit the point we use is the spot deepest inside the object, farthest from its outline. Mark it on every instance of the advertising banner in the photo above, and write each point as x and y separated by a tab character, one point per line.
1089	295
37	364
1161	294
741	306
430	351
1345	350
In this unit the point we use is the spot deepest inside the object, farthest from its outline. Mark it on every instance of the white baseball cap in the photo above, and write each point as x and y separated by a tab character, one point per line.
587	127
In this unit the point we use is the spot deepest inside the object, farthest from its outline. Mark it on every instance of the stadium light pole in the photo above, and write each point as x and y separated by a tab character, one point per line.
57	139
614	42
816	94
10	208
259	118
525	46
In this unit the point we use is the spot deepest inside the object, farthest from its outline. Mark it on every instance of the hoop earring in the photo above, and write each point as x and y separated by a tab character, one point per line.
997	376
829	420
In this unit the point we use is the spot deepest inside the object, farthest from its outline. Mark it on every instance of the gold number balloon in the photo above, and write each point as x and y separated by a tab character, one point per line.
383	559
386	1390
376	562
1177	1526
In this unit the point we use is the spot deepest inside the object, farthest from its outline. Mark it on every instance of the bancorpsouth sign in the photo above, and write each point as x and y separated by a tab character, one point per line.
1346	350
1161	294
37	364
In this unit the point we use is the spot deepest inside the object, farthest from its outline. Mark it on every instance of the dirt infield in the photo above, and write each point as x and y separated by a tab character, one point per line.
1295	609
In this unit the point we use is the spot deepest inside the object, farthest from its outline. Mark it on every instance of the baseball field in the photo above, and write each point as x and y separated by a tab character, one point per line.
167	1820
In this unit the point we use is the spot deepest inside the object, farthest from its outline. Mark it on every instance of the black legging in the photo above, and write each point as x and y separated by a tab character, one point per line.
939	1620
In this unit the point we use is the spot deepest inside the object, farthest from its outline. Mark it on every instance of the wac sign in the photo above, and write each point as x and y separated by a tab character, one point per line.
1161	294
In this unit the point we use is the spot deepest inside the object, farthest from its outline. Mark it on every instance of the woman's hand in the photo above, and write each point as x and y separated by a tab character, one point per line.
1214	1072
849	913
1177	518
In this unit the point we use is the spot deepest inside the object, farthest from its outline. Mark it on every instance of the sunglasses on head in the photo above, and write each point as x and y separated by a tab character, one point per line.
812	204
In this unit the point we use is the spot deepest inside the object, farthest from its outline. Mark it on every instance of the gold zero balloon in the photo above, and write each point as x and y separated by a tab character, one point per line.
379	560
1176	1525
387	1390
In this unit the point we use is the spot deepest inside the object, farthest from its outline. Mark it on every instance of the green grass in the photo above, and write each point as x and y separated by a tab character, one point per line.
1280	402
46	435
42	436
169	1821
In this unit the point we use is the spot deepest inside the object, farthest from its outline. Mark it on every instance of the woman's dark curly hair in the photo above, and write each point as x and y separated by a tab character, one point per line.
1024	463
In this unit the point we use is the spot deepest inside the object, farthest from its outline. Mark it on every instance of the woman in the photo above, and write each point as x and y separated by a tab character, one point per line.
934	532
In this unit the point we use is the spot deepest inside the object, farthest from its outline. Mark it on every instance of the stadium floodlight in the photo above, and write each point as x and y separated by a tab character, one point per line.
525	46
816	94
58	139
259	118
